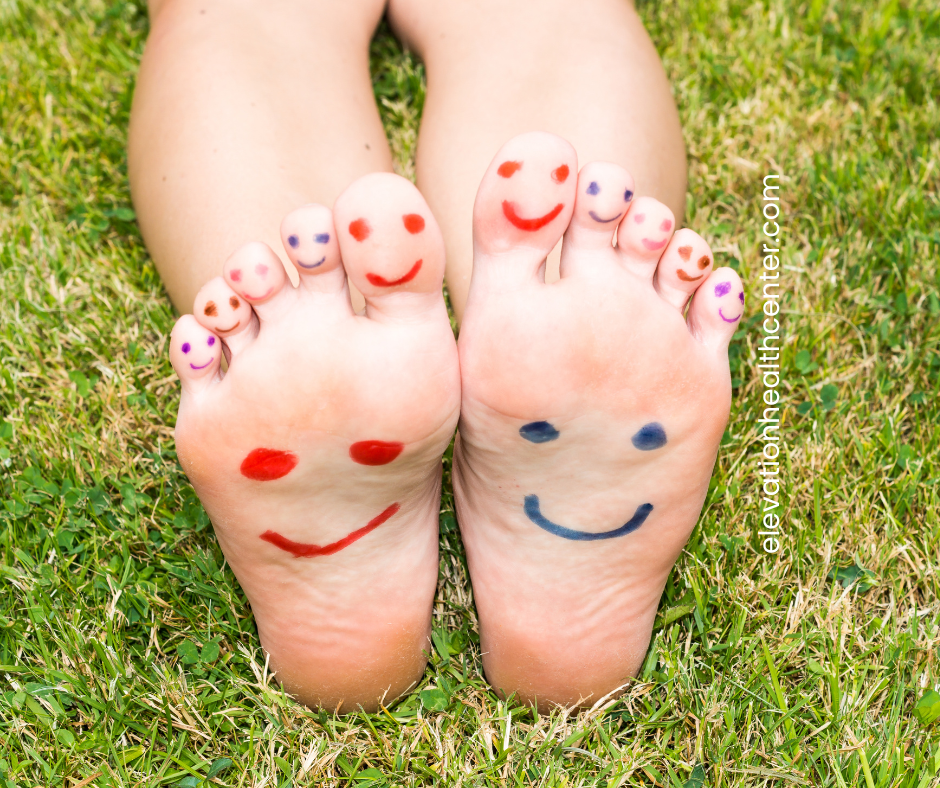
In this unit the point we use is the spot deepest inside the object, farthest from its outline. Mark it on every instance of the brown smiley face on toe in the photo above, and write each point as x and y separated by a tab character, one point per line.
685	252
220	310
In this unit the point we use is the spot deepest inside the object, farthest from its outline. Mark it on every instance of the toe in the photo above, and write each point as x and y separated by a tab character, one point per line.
257	275
222	311
392	248
310	242
684	266
643	234
195	353
604	194
525	200
717	308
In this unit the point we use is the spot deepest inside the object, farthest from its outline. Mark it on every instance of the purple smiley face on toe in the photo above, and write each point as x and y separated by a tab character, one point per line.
723	291
194	350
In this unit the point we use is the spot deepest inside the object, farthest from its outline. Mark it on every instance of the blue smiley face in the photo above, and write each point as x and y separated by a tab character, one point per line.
649	437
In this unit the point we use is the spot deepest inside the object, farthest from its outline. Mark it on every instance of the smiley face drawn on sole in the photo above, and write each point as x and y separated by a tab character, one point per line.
381	281
529	225
301	550
265	465
534	513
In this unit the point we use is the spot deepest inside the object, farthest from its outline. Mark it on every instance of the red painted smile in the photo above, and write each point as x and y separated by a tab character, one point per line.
300	550
531	225
651	245
381	281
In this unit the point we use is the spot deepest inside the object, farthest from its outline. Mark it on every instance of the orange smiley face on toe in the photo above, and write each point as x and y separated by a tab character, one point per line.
219	309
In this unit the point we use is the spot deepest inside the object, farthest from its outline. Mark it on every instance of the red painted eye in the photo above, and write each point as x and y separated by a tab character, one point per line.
236	275
509	168
359	229
666	226
639	218
561	174
414	222
261	269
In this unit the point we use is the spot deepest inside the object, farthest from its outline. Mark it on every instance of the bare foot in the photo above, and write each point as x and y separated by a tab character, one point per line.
318	454
590	419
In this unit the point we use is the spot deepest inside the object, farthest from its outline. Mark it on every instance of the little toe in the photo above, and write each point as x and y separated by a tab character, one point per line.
604	194
219	309
643	234
684	266
195	353
310	242
256	274
717	308
391	246
525	200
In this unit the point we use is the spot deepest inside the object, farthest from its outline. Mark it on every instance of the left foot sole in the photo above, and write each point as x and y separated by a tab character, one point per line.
591	415
317	455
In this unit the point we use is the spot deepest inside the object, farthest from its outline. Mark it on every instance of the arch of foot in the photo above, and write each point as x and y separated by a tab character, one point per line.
527	196
389	241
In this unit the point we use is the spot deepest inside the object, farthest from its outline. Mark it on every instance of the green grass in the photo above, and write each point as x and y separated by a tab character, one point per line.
126	650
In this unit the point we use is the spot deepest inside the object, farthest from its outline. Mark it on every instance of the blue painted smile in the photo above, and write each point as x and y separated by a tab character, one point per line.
534	513
597	218
312	265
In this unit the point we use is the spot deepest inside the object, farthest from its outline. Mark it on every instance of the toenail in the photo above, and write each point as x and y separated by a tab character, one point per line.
509	168
650	436
293	240
322	238
236	275
414	222
186	347
722	289
261	269
210	341
628	195
561	174
593	188
639	218
359	229
666	225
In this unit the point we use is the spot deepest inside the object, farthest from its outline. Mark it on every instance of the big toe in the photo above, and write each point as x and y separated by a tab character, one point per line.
195	353
717	308
526	197
392	248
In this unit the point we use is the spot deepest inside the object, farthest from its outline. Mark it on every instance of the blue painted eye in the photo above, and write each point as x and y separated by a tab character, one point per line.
322	238
186	347
593	188
210	341
628	195
538	432
650	436
293	240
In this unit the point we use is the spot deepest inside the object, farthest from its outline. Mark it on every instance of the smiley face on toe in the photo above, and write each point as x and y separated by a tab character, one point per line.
254	272
310	240
686	263
647	228
731	301
219	309
605	192
194	350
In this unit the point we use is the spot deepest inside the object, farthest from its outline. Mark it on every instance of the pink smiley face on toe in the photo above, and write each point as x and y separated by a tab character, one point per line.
310	240
194	350
254	272
605	192
730	302
219	309
647	227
